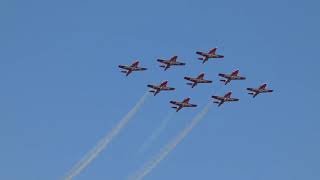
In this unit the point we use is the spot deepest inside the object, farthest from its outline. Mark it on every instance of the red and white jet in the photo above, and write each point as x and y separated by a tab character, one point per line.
166	64
233	76
130	68
226	98
261	89
197	80
180	105
211	54
162	87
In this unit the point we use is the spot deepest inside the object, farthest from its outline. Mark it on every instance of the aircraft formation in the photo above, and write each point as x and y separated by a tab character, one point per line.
194	81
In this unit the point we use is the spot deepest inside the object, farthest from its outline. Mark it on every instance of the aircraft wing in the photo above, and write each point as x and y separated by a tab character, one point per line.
200	53
241	77
223	75
232	99
217	97
175	103
153	86
206	81
140	69
168	88
251	89
188	78
191	105
179	63
123	67
162	61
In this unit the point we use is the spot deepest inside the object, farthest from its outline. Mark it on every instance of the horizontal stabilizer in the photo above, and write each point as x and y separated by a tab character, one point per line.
174	107
124	71
200	59
217	102
222	80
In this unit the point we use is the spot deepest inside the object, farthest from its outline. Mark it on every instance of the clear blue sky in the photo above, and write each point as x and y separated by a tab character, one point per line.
61	90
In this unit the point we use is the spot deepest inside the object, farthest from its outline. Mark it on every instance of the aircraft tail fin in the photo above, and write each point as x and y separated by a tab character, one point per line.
201	76
213	51
174	58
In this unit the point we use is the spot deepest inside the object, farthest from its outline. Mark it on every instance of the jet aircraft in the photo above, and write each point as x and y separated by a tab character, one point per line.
128	69
183	104
261	89
195	81
226	98
211	54
166	64
162	87
233	76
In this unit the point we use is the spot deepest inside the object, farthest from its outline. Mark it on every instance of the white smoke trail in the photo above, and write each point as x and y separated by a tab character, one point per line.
157	132
103	143
169	147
